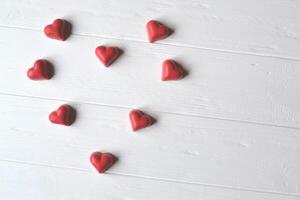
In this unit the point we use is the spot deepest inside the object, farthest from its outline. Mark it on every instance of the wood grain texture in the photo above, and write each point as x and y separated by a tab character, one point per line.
177	148
229	130
269	27
219	85
55	183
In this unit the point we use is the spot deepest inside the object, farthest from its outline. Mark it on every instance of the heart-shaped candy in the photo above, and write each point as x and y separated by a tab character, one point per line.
102	161
171	70
60	29
41	70
107	55
64	115
157	31
140	120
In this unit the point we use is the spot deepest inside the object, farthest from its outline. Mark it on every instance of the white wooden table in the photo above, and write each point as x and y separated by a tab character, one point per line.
229	130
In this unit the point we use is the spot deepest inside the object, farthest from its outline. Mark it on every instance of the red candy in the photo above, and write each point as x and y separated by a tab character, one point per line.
107	55
60	29
41	70
157	31
102	161
171	71
64	115
140	120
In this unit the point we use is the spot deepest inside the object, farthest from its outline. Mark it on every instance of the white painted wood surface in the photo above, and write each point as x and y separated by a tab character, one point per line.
184	149
267	28
229	130
61	183
219	85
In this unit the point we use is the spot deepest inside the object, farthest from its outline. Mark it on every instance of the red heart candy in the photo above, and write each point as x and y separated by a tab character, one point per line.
107	55
140	120
64	115
157	31
102	161
171	70
60	29
41	70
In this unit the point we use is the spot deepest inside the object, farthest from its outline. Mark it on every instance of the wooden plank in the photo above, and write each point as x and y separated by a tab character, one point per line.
219	85
269	27
53	183
177	148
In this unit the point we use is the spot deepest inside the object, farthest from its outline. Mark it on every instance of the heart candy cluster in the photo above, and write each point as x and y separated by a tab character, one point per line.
171	70
157	31
107	55
60	29
64	115
102	161
42	69
140	120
